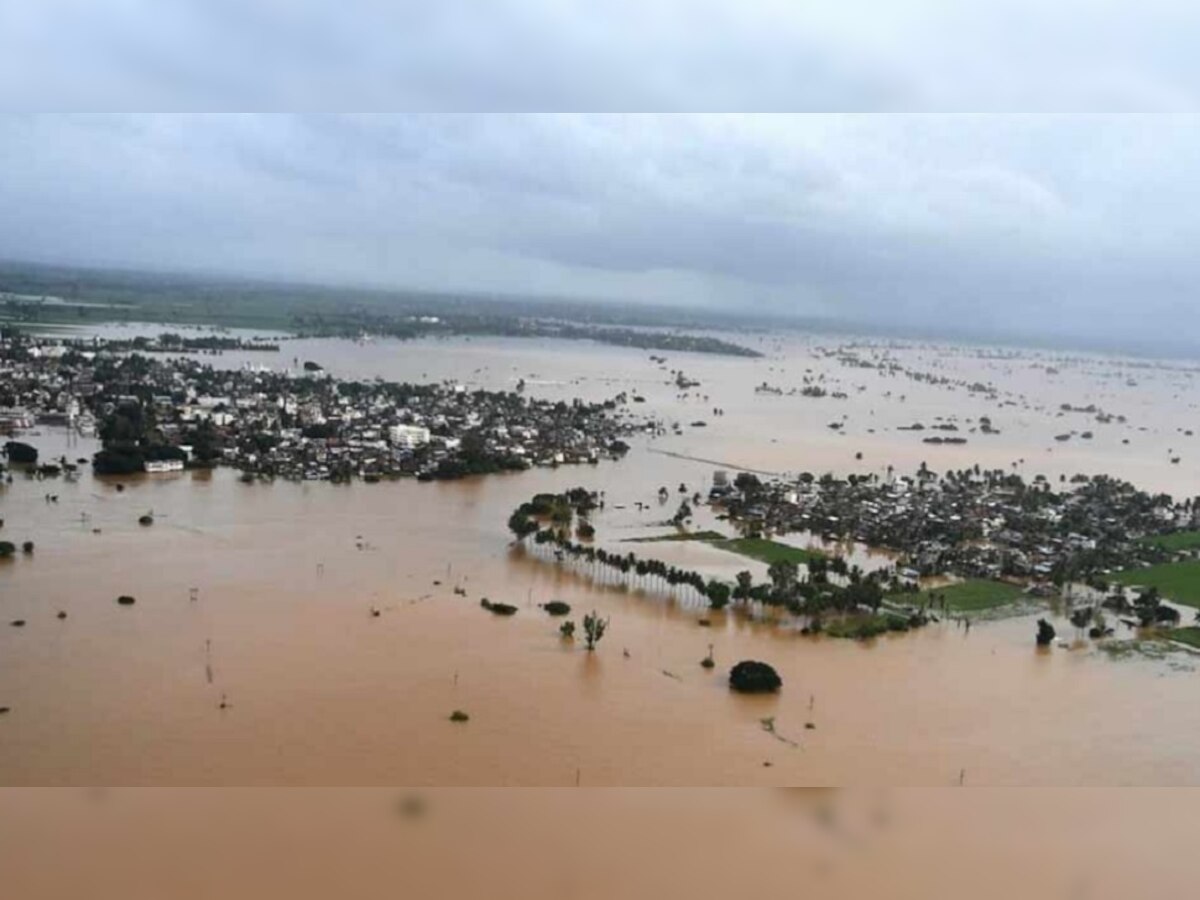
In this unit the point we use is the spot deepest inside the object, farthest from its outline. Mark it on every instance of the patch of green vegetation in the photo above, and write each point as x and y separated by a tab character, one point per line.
863	627
766	550
1176	647
1189	634
708	537
967	596
1179	540
1178	582
1152	649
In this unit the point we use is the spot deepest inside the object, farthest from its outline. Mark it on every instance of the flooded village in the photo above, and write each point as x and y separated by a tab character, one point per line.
160	415
374	617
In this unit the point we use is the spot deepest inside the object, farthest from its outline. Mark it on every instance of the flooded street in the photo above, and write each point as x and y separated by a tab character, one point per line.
251	655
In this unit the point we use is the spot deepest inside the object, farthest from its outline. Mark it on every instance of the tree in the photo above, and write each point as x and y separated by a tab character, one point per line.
1045	633
783	574
521	525
1146	606
864	593
817	567
747	482
745	582
593	629
753	677
717	593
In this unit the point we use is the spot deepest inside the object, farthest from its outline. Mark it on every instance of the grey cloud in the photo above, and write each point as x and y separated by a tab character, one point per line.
680	55
1071	224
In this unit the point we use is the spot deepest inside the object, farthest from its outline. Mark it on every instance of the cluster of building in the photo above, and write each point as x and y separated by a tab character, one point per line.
159	414
969	523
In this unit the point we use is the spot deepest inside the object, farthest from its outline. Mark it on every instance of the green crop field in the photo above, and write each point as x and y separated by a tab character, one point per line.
766	550
967	596
1179	540
1179	582
1189	635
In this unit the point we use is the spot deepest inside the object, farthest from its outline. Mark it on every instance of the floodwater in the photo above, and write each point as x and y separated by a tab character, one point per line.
251	656
145	844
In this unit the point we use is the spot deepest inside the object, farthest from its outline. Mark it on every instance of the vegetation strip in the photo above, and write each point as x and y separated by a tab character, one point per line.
547	520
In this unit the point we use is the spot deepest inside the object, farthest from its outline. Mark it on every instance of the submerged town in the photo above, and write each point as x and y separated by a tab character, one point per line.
971	523
156	405
169	413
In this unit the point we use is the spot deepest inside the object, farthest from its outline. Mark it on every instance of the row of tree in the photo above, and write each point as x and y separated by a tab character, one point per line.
547	520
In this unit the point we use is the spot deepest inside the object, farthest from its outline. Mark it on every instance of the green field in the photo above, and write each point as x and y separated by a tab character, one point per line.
1189	635
862	627
766	550
967	596
1180	540
761	549
1179	582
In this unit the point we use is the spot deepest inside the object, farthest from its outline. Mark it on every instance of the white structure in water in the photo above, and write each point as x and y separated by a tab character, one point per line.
164	465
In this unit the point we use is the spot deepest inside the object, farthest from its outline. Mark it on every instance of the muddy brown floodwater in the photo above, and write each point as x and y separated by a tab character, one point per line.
251	656
560	844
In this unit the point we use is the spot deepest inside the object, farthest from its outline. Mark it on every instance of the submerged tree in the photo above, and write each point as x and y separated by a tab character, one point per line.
754	677
717	593
1045	633
745	581
783	574
593	629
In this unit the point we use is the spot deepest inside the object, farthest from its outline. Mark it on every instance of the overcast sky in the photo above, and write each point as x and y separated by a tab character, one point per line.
1054	209
1084	224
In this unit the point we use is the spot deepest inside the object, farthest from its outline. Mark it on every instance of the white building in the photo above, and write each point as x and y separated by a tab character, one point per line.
408	436
164	465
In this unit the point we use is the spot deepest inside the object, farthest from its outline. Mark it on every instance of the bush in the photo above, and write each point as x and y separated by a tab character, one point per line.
567	630
126	600
7	548
499	609
27	547
753	677
1045	633
118	462
593	629
557	608
459	716
861	628
18	452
